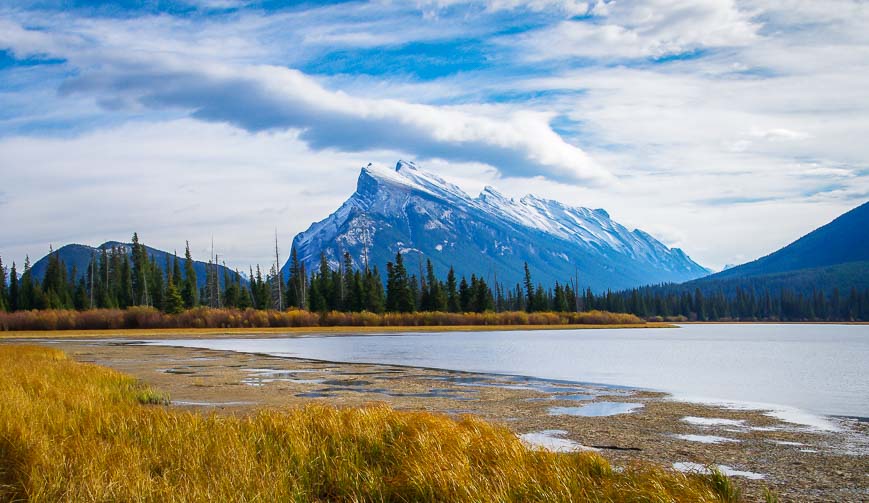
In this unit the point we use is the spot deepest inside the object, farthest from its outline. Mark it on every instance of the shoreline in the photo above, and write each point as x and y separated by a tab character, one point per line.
173	333
170	333
778	411
234	383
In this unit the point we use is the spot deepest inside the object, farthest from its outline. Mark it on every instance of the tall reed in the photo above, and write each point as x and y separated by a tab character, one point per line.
147	317
78	432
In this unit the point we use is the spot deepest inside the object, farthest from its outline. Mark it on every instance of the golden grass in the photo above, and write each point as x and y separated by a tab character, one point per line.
169	333
77	432
150	318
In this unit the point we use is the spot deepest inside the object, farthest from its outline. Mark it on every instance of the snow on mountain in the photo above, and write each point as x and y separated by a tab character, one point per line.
418	213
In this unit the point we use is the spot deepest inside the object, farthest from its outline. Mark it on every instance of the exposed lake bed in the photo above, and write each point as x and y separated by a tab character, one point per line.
801	462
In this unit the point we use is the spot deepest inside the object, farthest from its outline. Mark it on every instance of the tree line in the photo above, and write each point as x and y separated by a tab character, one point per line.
125	275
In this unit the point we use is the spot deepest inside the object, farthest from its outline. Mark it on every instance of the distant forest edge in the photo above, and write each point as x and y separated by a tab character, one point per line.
127	276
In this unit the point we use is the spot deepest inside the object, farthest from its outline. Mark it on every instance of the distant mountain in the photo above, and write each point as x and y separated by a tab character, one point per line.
78	256
845	239
409	210
833	256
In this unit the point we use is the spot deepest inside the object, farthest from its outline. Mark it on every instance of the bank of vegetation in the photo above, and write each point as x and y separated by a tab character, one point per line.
79	432
141	317
125	277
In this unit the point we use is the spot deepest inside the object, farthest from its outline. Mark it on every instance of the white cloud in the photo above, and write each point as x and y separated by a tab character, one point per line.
753	140
170	181
267	97
652	28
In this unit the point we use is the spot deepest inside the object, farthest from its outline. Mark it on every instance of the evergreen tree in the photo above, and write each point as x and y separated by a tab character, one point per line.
14	293
55	287
295	283
155	282
4	295
348	302
189	290
399	296
173	303
140	273
453	303
80	298
125	286
437	298
559	299
176	271
529	291
465	299
374	296
27	298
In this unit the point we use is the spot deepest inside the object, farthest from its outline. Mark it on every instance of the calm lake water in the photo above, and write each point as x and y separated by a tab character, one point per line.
822	369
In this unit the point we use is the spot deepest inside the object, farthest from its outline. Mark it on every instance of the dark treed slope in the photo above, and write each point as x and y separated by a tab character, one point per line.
822	276
845	239
835	256
78	257
120	275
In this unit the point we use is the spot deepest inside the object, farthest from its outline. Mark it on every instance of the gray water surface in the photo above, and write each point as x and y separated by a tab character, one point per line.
823	369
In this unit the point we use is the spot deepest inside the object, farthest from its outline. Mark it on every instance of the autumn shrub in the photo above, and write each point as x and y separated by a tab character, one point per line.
202	317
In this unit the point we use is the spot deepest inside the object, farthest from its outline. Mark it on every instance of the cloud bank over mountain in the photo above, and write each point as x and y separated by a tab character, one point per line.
720	126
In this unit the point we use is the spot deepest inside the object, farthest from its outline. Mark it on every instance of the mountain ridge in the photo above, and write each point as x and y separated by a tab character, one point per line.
416	212
835	255
78	256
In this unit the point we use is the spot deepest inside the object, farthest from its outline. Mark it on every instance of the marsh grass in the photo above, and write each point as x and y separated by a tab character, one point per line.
723	485
77	432
198	318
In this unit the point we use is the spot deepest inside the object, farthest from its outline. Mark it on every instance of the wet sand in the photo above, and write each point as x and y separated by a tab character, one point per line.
799	463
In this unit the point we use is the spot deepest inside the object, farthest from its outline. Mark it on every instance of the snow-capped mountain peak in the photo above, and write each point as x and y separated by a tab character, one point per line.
411	210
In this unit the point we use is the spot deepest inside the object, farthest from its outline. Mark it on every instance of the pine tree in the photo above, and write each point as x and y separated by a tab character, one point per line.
80	298
54	283
189	289
125	285
173	303
4	302
140	273
14	293
399	297
176	271
437	298
375	297
453	303
155	282
465	299
28	297
529	291
295	294
348	302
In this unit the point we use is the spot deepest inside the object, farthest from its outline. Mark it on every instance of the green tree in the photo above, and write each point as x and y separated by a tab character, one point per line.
189	289
14	293
28	295
142	291
436	296
453	303
173	302
4	295
374	296
125	285
465	295
529	291
399	296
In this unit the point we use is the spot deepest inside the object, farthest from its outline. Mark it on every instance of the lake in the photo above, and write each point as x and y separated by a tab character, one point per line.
821	369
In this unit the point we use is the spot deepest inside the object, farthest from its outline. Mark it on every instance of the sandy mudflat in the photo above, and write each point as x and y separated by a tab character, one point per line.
800	463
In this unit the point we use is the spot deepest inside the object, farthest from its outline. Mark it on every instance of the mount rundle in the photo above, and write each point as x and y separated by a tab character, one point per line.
424	217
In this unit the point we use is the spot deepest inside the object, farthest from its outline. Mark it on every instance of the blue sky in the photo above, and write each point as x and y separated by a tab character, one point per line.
727	128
